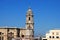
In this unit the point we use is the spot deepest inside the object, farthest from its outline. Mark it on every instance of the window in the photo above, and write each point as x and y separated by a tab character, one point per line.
2	38
0	33
18	33
49	36
35	39
57	36
52	36
10	36
57	33
53	33
44	39
29	18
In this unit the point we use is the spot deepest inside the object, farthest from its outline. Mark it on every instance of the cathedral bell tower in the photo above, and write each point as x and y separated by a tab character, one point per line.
29	19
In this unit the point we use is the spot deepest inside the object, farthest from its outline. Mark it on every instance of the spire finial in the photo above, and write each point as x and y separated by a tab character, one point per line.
29	9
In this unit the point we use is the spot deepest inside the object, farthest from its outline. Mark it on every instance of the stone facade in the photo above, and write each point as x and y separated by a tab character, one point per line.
8	33
27	32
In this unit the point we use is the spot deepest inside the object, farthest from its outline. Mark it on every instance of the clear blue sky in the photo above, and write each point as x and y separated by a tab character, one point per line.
46	14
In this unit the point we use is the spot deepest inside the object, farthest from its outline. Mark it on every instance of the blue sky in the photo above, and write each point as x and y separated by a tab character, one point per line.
46	14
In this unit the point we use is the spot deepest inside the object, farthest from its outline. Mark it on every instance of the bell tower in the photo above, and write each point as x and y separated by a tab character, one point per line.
29	19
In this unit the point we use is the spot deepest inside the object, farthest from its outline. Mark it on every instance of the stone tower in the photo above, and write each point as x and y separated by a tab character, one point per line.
29	19
29	24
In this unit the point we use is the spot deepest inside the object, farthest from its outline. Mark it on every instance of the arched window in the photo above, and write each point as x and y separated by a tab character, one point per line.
29	18
49	36
52	36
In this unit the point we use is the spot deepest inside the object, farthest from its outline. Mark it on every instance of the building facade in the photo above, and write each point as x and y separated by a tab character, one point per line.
23	33
52	35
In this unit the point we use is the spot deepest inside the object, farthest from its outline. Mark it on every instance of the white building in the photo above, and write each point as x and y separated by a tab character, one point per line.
52	35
